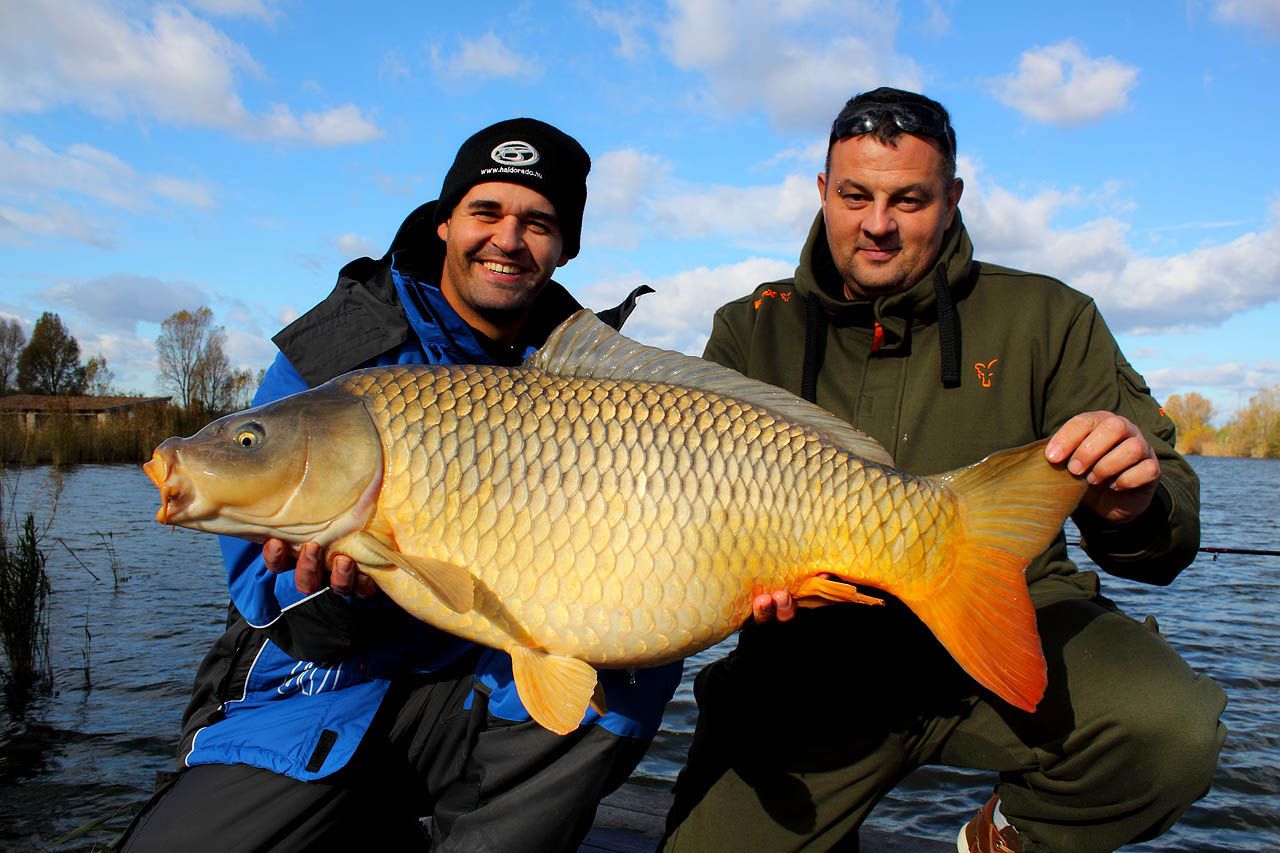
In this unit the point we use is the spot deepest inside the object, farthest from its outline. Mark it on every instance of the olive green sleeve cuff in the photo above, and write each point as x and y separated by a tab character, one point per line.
1153	548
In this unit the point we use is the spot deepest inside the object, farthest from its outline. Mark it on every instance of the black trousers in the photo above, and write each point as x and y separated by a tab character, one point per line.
487	784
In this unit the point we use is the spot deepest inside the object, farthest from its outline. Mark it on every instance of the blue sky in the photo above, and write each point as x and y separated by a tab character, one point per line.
234	153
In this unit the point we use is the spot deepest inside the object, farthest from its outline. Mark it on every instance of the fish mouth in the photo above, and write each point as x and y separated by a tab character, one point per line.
173	496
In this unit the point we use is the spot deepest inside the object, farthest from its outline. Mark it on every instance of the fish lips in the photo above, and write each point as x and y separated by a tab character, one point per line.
175	489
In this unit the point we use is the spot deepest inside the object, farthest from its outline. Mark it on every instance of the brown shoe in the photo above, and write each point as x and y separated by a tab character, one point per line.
981	836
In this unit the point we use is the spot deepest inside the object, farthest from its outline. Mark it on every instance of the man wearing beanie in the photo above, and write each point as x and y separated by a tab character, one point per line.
326	716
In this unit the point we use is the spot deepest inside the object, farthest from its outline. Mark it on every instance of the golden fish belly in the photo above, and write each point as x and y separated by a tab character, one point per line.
623	523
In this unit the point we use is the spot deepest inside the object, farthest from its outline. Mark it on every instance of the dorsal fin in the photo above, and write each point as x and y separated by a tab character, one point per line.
583	346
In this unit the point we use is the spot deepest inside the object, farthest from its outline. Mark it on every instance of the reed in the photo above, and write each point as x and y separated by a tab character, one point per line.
24	618
64	439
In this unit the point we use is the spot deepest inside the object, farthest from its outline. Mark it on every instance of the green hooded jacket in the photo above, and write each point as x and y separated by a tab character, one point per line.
1031	351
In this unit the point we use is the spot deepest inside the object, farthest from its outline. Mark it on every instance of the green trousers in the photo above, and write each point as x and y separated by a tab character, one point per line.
807	725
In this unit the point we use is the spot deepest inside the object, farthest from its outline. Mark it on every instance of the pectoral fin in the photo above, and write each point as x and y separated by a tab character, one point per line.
452	584
818	591
555	689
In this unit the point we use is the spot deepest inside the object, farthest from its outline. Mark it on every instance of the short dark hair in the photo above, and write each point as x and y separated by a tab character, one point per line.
882	113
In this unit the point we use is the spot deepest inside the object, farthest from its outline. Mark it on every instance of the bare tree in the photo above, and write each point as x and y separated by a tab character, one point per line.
97	376
50	362
12	341
243	386
213	377
191	358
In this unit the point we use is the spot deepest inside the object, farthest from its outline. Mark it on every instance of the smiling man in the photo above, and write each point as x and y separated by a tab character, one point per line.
890	323
328	719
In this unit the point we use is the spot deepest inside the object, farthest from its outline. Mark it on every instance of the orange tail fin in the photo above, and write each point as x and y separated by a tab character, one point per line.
1012	505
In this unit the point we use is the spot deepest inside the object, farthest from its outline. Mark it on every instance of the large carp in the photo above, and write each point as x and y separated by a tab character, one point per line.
613	505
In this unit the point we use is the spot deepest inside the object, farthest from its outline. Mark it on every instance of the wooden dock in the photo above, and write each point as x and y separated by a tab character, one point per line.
630	820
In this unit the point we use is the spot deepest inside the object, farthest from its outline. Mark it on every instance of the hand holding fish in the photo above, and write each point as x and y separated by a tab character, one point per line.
773	606
1114	457
310	569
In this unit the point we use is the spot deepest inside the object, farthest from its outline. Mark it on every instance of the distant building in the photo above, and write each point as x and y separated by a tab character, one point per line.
30	407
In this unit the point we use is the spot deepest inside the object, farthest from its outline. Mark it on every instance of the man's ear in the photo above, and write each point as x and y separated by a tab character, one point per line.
564	259
442	230
822	187
953	198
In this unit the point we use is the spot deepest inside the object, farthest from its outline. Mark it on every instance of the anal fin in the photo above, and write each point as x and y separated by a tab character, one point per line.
556	690
598	703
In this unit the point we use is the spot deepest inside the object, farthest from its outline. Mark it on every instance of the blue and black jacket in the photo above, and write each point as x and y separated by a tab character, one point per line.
296	680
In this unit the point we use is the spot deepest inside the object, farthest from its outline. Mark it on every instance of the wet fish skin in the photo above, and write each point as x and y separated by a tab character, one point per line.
581	521
624	524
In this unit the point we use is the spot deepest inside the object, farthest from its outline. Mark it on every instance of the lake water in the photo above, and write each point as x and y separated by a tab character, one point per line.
124	656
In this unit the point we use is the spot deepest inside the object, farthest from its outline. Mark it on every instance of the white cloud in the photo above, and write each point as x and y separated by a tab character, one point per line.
634	195
344	125
759	54
811	156
29	169
1197	289
57	220
122	300
484	58
678	315
393	66
939	22
190	193
1262	16
255	9
768	212
174	68
618	189
357	246
1228	386
1061	84
247	350
625	22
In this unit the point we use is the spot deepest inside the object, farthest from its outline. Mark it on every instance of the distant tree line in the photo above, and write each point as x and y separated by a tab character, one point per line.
191	363
1253	431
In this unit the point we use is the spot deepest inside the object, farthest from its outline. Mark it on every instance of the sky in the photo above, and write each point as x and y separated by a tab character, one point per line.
236	153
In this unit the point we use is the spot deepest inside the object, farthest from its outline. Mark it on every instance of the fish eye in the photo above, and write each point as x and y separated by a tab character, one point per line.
250	436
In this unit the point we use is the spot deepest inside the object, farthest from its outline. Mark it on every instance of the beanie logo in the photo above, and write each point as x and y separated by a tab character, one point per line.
515	153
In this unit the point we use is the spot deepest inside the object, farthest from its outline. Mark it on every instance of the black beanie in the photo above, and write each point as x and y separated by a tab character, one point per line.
533	154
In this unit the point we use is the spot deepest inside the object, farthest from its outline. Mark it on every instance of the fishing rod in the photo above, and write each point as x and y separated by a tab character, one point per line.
1256	552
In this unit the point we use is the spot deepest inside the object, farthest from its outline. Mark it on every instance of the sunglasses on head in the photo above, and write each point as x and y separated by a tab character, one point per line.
916	119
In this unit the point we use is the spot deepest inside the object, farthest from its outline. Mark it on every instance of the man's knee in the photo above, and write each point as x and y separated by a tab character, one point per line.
1172	736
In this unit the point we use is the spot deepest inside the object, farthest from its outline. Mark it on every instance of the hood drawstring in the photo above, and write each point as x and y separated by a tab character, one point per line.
948	330
815	334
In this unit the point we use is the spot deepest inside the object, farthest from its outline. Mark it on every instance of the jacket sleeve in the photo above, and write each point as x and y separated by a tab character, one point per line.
323	626
1093	374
